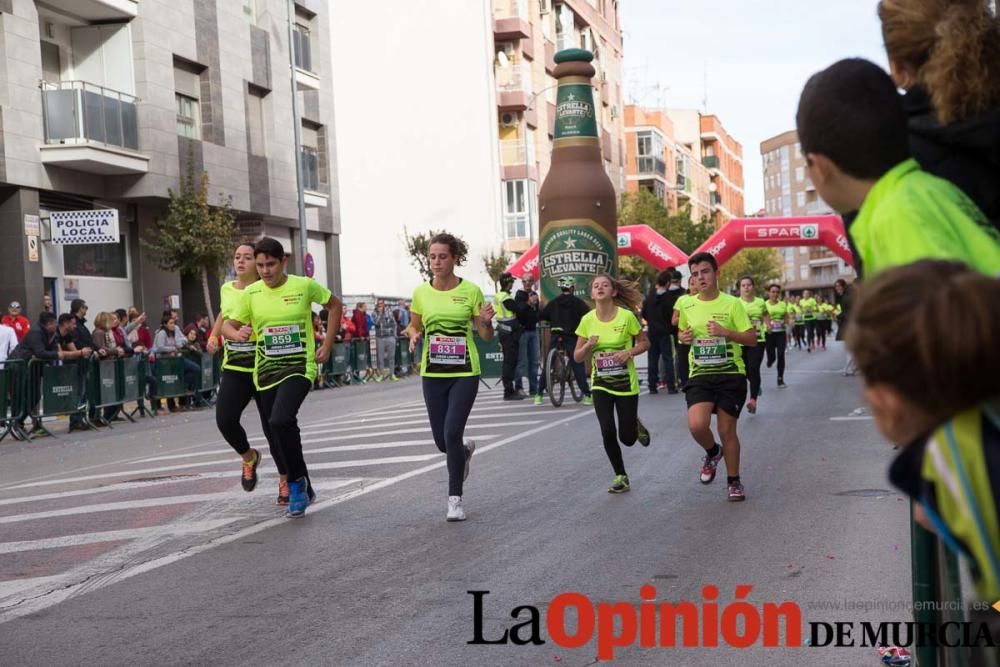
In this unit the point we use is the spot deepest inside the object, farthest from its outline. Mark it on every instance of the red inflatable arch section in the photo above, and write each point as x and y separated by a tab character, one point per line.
813	230
640	240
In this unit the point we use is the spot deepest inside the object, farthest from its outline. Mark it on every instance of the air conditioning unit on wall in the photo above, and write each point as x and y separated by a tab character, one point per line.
508	119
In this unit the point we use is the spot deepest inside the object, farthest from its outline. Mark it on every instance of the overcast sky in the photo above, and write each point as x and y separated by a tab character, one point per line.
757	56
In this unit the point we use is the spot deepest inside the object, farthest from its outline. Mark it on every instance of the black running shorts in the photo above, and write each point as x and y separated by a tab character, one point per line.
725	391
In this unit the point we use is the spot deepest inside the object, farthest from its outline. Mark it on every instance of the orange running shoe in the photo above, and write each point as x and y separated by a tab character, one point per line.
282	493
249	479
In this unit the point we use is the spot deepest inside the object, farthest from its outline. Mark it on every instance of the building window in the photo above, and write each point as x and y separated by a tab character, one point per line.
313	173
800	199
798	151
303	48
517	212
800	174
97	260
188	115
255	120
565	28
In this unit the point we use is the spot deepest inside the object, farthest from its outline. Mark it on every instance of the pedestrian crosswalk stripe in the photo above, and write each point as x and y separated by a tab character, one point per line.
173	529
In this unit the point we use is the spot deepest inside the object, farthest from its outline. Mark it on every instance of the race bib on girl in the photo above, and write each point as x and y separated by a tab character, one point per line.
447	350
777	325
606	366
283	340
709	351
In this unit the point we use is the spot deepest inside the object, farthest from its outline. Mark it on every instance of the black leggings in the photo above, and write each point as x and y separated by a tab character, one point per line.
236	389
752	357
798	333
449	402
821	327
776	346
280	406
811	333
605	405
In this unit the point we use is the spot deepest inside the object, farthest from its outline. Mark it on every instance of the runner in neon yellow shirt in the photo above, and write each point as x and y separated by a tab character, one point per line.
808	305
776	341
279	308
443	312
236	385
715	325
760	320
611	337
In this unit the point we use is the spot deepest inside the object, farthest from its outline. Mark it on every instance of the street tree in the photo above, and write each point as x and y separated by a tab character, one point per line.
193	237
764	265
496	263
417	246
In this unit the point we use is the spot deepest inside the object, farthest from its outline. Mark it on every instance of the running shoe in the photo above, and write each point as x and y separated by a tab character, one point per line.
455	510
282	493
708	466
538	399
752	406
588	400
249	479
394	378
653	390
642	434
736	492
620	485
781	383
298	498
470	449
513	397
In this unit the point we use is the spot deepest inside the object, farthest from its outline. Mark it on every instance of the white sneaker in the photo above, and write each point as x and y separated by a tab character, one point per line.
470	449
455	511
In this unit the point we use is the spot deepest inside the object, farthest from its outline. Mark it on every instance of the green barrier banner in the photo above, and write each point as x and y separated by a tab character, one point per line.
360	354
7	380
129	368
490	357
338	359
107	377
62	389
207	371
403	356
169	375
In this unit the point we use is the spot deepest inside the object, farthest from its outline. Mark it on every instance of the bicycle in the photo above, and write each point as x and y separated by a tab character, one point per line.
559	372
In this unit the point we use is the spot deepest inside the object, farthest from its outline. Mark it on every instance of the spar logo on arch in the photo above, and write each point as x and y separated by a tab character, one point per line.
780	232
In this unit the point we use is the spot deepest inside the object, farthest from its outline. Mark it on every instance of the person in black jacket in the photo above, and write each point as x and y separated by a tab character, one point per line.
526	306
564	314
946	55
81	336
657	310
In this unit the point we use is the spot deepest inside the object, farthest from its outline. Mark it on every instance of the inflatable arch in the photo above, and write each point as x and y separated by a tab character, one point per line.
813	230
639	240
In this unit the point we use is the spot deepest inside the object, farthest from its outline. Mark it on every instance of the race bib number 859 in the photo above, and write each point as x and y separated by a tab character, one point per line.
282	340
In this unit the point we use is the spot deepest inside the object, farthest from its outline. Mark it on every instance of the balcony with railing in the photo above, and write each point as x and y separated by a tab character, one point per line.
683	188
91	128
651	165
510	20
711	161
715	199
514	83
305	73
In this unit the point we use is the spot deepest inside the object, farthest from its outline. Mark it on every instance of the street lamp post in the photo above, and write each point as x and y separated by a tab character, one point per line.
297	126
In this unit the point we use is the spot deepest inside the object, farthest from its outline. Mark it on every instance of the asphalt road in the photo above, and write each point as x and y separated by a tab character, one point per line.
136	547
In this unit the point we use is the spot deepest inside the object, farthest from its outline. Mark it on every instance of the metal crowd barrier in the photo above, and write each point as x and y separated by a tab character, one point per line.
54	389
11	399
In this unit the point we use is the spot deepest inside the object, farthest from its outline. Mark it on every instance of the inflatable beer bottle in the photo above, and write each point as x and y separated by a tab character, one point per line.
578	229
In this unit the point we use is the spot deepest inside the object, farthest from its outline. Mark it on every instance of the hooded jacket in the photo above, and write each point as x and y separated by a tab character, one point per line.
965	152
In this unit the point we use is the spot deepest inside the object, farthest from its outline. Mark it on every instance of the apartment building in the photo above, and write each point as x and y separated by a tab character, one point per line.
651	155
789	192
526	35
709	147
104	102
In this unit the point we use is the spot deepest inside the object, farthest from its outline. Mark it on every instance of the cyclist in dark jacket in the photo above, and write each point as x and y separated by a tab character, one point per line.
564	314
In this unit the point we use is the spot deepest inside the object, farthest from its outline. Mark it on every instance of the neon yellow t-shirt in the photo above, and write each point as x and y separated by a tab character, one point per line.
779	313
282	323
825	311
449	347
235	356
755	311
910	215
711	355
608	375
808	307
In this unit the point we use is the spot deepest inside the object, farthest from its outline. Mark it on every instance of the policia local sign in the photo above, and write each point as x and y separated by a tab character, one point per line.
84	227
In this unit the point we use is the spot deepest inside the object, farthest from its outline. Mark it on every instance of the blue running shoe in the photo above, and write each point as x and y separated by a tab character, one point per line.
298	498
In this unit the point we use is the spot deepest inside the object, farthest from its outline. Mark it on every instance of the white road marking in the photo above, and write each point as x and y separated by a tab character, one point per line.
172	529
851	419
161	501
405	431
373	421
81	580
